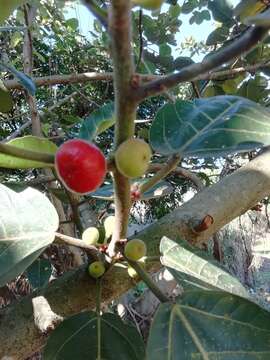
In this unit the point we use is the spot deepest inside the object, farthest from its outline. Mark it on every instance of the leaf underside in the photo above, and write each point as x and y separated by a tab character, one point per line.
205	325
214	126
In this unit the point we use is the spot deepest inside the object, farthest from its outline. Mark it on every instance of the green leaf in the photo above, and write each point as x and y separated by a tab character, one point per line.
15	39
6	102
255	89
39	273
33	143
212	90
210	127
248	8
7	7
174	11
222	10
28	224
76	338
189	6
25	80
73	23
99	121
195	268
218	36
165	50
207	325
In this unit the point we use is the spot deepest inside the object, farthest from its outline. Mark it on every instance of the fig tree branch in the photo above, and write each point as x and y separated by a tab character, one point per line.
74	291
125	107
189	73
69	240
94	76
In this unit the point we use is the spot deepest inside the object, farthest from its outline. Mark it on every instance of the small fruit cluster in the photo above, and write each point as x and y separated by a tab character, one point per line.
82	167
135	250
99	236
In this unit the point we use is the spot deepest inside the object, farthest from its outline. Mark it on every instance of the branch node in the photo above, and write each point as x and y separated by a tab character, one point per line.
204	224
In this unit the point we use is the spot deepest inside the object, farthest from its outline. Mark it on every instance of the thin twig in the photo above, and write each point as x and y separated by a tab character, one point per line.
161	174
108	76
69	240
140	39
148	281
180	172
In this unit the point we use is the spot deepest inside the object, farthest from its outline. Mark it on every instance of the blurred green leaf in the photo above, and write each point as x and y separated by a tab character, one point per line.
28	225
76	338
209	325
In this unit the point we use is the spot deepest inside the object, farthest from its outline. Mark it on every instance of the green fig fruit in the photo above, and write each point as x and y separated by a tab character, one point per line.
135	249
90	235
132	158
109	223
96	269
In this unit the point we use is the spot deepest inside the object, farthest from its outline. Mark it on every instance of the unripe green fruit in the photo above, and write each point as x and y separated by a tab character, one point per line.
132	157
109	223
148	4
135	249
96	269
90	235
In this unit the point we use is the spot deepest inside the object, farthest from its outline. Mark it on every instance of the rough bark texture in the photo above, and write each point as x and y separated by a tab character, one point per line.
224	201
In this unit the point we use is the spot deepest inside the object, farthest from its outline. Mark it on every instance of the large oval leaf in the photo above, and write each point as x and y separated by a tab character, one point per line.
76	338
192	267
28	222
7	7
99	121
207	325
32	143
210	127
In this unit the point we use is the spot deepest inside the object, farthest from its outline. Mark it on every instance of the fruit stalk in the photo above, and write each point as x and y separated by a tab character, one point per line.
99	289
148	281
161	174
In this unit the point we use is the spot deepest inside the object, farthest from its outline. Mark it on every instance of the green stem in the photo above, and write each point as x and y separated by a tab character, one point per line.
27	154
161	174
148	281
98	302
